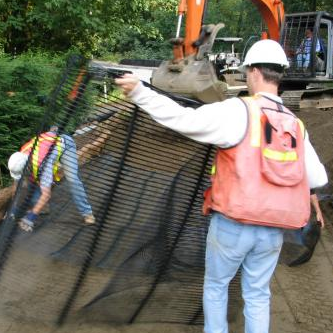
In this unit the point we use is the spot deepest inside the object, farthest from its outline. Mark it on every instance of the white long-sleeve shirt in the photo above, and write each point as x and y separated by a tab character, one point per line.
223	124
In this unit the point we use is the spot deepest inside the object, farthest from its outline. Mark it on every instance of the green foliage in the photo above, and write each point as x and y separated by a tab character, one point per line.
54	25
144	33
24	84
241	19
293	6
58	25
138	28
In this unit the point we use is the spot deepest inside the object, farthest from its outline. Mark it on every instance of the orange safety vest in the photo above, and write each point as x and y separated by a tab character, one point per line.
40	146
261	181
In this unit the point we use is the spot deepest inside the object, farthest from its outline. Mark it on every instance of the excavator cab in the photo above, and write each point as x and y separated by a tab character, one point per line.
227	60
307	39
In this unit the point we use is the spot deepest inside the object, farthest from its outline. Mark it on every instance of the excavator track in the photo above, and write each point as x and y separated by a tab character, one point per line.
296	100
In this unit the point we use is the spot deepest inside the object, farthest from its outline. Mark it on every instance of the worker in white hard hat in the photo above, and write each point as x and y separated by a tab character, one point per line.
259	187
47	153
16	164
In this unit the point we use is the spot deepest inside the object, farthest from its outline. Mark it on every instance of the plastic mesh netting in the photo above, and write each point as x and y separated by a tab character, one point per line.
143	261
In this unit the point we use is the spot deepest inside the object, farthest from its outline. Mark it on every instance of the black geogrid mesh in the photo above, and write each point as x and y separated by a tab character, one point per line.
143	261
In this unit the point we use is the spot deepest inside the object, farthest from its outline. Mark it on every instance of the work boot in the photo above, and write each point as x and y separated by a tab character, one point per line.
27	222
89	219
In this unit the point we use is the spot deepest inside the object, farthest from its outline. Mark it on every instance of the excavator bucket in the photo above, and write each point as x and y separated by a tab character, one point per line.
202	76
195	80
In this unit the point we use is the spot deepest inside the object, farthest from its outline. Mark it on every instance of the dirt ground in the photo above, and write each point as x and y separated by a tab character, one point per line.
302	300
302	297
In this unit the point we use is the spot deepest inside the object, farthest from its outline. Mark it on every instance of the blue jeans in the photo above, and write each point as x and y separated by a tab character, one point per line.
33	194
71	171
231	245
303	60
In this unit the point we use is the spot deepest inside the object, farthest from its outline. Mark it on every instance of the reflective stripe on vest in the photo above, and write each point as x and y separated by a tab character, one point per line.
301	125
256	127
36	154
280	156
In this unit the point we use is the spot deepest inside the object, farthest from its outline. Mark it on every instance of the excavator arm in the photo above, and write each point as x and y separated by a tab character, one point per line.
191	72
272	12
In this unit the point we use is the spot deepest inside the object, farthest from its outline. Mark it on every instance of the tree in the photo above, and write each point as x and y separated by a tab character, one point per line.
25	82
51	24
58	25
145	30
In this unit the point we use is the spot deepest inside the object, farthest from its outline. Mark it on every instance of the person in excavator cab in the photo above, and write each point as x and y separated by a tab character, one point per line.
261	178
303	53
48	151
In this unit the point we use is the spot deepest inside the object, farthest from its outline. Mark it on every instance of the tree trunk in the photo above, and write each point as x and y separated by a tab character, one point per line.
314	5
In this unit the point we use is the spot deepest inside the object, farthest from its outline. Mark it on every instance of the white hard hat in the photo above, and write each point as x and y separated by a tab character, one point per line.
266	51
16	164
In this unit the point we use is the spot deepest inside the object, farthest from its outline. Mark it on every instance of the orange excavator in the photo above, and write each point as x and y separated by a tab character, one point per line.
196	72
272	12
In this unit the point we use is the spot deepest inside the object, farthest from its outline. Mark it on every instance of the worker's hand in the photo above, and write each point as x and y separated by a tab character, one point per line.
127	83
320	219
319	215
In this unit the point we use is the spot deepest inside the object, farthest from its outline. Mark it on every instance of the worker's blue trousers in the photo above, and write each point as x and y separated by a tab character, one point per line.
232	245
303	60
70	166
